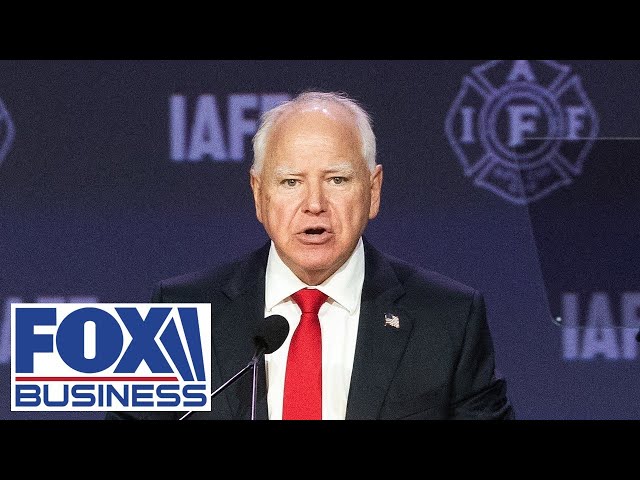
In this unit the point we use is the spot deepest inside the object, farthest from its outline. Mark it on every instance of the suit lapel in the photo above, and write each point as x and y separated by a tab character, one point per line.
233	339
379	346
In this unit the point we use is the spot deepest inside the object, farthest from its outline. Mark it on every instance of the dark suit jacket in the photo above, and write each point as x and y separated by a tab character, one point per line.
439	363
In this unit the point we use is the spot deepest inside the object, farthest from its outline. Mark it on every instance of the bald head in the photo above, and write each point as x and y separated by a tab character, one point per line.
345	112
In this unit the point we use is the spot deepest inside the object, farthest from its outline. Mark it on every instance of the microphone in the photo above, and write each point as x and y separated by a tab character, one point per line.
269	336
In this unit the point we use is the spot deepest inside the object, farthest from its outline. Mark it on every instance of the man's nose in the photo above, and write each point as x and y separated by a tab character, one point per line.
315	201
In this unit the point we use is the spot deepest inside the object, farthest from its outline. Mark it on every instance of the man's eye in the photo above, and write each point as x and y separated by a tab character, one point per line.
290	182
338	180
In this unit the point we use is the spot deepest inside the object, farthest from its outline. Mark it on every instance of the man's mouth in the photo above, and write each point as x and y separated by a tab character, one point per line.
315	235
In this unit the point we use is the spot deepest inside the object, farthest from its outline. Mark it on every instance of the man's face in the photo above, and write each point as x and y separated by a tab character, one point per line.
315	193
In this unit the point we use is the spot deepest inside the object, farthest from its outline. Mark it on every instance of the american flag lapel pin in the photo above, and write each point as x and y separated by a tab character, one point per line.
391	320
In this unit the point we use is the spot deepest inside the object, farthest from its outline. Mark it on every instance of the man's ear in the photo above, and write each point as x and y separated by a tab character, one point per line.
376	191
256	185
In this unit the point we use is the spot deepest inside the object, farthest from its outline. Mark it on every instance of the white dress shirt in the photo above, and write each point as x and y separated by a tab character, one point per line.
339	323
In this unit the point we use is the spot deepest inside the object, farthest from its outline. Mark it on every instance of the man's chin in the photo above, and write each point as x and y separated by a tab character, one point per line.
314	271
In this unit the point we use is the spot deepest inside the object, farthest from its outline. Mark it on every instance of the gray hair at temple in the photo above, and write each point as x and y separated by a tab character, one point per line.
270	118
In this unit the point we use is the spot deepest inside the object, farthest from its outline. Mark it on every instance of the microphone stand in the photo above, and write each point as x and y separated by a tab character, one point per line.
273	334
250	366
254	388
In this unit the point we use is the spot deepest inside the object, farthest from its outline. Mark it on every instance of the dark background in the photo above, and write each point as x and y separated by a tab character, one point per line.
91	205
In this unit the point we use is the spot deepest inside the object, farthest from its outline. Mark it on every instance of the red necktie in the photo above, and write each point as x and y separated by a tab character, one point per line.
303	377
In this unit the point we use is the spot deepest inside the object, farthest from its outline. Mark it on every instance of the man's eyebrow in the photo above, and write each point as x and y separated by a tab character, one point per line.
343	168
286	172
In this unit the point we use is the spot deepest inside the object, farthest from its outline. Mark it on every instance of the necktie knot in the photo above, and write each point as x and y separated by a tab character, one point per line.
309	300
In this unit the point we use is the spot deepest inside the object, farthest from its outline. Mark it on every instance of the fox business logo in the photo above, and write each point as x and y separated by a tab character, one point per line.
106	356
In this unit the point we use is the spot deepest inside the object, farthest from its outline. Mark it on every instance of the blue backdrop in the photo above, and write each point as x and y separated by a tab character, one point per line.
519	178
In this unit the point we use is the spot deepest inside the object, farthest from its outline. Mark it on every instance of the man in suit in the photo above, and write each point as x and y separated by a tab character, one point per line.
396	341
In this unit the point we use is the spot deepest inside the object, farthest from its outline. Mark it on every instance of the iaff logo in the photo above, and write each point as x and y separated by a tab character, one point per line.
600	325
216	128
521	128
7	131
92	357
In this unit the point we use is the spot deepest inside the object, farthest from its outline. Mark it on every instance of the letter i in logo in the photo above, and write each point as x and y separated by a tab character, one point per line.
7	131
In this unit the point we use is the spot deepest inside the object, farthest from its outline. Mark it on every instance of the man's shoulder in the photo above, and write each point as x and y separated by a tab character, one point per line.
207	281
206	277
421	280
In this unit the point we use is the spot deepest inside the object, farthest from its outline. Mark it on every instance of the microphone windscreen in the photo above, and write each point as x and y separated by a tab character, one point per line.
271	333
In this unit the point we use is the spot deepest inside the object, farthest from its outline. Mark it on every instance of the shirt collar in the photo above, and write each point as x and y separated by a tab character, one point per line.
344	286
